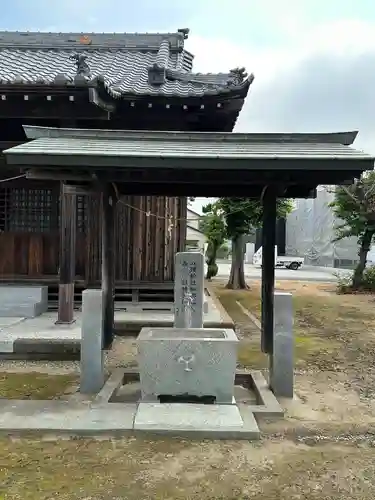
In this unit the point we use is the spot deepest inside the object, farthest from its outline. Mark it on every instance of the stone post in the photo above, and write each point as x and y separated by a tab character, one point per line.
282	359
92	358
189	290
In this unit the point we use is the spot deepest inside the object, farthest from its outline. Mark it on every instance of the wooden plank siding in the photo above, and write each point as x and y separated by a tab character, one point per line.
146	236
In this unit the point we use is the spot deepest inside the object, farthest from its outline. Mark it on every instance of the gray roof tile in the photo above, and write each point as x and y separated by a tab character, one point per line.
120	62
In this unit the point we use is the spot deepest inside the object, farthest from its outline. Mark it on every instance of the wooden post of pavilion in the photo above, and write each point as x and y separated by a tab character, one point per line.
108	209
268	268
68	220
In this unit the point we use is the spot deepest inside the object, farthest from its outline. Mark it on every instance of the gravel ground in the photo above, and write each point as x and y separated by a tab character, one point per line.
123	353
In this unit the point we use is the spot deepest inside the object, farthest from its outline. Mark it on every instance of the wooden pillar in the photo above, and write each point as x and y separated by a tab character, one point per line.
108	210
67	263
182	223
268	268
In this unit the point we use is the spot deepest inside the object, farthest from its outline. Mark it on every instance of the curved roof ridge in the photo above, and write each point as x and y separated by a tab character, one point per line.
54	40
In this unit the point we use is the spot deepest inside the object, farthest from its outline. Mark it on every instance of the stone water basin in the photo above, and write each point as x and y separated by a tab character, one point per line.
195	362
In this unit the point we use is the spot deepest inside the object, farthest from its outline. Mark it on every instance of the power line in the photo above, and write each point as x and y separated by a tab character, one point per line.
13	178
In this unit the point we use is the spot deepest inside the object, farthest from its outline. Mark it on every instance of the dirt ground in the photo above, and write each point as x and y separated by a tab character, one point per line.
277	468
324	449
335	349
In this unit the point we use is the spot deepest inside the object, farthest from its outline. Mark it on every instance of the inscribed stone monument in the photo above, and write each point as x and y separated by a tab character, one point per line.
189	290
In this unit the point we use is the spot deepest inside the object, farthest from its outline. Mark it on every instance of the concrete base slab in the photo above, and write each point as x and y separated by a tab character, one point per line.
64	417
194	420
101	416
251	391
268	406
6	322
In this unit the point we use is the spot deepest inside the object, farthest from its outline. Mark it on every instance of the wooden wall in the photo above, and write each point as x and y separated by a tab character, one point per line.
145	244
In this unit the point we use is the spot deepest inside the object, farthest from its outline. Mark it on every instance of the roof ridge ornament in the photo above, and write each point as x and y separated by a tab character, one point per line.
185	32
238	75
83	69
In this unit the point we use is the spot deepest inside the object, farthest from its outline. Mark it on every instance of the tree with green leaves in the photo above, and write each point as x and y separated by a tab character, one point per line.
242	216
213	226
354	205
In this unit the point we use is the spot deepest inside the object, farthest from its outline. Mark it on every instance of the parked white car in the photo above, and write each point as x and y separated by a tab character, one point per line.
289	262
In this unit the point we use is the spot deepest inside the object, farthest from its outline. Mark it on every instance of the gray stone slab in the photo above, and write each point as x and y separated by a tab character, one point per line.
109	389
178	361
92	356
192	420
30	310
65	417
26	301
6	346
26	293
189	290
282	360
47	346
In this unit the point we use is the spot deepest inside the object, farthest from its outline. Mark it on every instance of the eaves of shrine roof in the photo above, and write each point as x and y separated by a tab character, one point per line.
121	65
219	150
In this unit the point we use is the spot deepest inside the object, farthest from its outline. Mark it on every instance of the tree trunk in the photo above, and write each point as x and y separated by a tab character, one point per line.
211	260
363	251
237	273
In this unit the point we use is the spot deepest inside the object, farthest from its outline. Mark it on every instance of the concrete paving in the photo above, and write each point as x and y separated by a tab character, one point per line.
305	273
82	419
98	417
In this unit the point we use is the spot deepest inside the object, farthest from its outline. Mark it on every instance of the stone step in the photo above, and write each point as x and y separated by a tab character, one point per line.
25	301
21	294
197	421
29	310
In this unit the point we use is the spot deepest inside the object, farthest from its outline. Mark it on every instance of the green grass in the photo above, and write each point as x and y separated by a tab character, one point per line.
34	385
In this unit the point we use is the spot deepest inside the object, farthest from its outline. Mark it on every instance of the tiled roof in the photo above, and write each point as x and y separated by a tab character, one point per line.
122	64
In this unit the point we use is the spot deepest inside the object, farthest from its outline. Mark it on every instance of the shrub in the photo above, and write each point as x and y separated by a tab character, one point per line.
212	270
345	282
368	282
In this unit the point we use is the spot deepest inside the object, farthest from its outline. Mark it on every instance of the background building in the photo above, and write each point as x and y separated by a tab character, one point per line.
195	238
310	233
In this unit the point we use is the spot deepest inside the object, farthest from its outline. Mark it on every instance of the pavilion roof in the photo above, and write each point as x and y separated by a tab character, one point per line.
199	161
